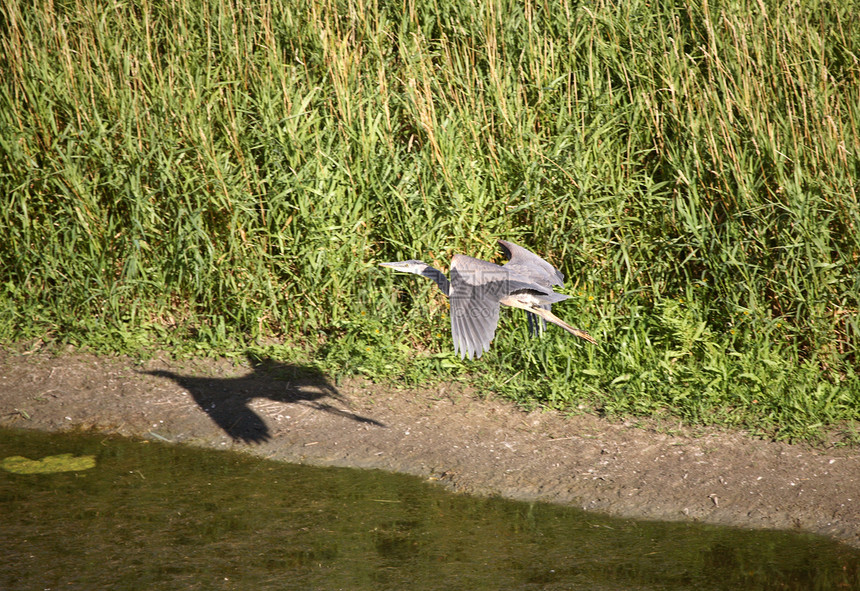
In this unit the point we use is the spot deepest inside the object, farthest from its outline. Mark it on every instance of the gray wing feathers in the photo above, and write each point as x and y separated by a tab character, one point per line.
477	288
530	266
473	328
524	262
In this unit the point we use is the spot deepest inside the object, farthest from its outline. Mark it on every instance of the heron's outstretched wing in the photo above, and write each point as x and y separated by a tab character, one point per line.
477	288
527	266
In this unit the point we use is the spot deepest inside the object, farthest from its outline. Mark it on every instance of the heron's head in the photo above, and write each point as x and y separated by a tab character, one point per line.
410	266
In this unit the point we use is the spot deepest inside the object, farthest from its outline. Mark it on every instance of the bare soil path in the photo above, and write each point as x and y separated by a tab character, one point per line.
446	433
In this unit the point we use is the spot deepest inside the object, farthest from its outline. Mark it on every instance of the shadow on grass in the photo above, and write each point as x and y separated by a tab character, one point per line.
226	400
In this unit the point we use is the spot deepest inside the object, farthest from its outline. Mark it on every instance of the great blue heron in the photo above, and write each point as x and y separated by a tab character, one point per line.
478	288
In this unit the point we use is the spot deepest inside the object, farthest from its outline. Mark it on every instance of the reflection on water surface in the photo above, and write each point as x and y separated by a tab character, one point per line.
156	516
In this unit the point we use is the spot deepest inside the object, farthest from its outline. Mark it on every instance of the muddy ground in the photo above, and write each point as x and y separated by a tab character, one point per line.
448	434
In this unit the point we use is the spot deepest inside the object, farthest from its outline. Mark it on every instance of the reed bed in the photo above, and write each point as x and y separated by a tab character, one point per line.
213	176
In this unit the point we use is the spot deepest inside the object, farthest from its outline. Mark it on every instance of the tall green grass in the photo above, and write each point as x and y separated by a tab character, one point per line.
217	175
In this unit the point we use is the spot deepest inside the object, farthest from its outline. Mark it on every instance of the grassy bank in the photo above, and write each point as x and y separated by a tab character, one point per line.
212	177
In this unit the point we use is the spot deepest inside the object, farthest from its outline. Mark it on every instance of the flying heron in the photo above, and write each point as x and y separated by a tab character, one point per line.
478	288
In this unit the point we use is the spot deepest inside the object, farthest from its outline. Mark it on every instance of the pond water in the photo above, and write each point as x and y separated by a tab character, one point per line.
142	515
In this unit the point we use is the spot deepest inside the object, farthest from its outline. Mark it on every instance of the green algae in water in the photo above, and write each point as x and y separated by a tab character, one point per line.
57	463
156	516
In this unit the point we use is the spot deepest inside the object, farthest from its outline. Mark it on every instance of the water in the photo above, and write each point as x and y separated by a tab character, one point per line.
156	516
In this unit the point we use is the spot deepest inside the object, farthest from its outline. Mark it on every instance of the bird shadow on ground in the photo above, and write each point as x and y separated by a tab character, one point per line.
226	400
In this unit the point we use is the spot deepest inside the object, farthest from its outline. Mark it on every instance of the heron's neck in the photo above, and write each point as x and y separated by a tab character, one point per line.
439	277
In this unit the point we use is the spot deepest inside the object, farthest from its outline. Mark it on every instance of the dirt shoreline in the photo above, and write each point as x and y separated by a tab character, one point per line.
469	444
